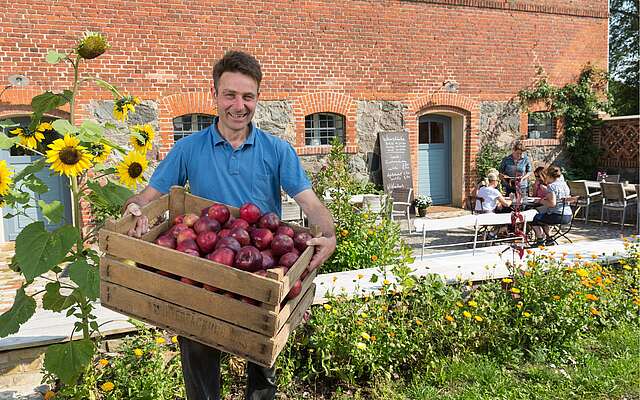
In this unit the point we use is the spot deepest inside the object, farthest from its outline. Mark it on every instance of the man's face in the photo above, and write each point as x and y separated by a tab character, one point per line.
236	98
517	154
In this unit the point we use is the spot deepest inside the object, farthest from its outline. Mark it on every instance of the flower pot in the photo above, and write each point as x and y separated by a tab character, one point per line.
421	211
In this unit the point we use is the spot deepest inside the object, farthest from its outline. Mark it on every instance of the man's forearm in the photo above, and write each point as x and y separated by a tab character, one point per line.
323	219
143	198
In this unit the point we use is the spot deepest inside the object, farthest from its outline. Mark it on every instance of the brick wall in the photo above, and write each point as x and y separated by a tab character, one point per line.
319	55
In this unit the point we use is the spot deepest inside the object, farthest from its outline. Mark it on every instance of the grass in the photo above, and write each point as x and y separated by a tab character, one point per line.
608	368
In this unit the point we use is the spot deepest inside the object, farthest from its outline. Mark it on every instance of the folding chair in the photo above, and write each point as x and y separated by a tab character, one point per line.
562	230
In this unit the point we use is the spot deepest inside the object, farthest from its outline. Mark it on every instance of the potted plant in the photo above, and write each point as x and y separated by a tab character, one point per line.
421	203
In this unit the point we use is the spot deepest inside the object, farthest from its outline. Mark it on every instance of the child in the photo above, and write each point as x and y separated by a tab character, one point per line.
539	186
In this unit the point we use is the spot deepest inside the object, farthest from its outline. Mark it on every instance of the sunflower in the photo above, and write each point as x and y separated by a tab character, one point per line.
142	138
27	138
123	105
91	45
5	180
130	170
100	152
68	157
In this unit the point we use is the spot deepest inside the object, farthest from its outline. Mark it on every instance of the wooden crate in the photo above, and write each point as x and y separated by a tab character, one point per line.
255	332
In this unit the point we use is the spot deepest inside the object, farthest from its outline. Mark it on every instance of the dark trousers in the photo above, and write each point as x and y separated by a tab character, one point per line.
201	371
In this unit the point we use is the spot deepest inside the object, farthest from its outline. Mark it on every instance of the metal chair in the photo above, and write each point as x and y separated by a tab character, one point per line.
472	202
401	203
585	199
614	197
558	231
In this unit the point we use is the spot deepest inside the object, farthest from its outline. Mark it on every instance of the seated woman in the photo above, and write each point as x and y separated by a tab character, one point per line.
492	199
556	213
540	186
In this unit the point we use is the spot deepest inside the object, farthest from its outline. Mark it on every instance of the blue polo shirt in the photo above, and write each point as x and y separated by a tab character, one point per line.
254	172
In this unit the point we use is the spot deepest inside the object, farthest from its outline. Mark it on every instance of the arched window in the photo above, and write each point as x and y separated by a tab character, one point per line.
185	125
321	128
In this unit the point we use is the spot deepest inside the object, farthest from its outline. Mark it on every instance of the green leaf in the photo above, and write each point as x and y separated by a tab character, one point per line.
23	308
37	251
7	142
108	86
110	195
22	197
63	127
87	277
53	57
52	211
35	167
8	123
48	101
68	360
53	300
36	184
9	215
91	131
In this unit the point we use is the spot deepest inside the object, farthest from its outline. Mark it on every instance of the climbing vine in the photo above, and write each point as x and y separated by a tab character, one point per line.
578	104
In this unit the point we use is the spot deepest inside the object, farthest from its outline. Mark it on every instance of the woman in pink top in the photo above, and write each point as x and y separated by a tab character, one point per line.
539	186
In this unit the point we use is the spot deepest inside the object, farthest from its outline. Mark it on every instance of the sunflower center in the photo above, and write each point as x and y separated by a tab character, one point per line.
135	170
145	136
27	133
70	155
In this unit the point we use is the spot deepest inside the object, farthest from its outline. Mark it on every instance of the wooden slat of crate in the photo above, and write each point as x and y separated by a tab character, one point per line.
198	269
208	330
151	210
192	297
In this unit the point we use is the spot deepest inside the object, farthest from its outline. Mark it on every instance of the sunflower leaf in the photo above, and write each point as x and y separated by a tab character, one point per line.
111	195
36	185
108	86
68	360
37	251
7	123
34	167
53	57
91	131
63	127
7	142
87	277
22	309
53	300
48	101
52	211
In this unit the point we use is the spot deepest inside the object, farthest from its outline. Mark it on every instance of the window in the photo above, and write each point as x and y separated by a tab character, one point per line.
540	126
321	128
185	125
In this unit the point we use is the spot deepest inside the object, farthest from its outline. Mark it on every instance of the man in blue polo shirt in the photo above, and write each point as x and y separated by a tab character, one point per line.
233	162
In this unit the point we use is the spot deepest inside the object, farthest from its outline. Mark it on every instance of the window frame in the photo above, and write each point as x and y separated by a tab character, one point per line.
316	134
177	135
548	122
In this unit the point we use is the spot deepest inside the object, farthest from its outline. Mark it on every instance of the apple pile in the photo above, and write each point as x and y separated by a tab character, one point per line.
253	242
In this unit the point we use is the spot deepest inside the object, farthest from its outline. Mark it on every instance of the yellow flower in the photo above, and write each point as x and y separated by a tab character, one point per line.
467	314
107	386
384	307
131	169
627	267
373	338
519	305
5	178
507	280
526	314
137	352
365	336
103	362
123	106
174	339
541	247
449	318
418	322
370	231
591	297
160	340
361	345
459	304
594	311
392	334
49	395
68	157
360	276
327	307
581	272
556	297
478	318
472	303
334	279
100	152
374	258
364	315
515	290
27	138
386	282
142	137
529	251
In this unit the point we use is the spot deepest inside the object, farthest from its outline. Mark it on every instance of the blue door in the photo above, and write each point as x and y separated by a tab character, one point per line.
434	158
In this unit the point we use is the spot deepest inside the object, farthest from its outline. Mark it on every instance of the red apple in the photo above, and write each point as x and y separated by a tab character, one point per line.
250	213
229	222
261	238
281	244
269	221
222	256
267	259
186	234
206	224
219	212
166	240
228	242
187	244
167	274
241	235
288	259
207	241
178	219
211	288
300	240
224	233
176	229
190	281
204	211
190	219
285	230
239	223
249	259
295	290
304	274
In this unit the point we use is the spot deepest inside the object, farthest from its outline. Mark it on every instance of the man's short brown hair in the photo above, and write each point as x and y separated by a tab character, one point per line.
518	145
237	61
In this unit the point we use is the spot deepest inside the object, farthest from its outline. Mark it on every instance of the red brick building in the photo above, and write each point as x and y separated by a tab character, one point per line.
443	71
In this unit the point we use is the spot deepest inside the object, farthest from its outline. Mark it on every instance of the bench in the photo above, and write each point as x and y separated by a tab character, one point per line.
476	222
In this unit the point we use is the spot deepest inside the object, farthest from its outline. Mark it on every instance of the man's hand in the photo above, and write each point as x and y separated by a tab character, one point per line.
325	247
141	225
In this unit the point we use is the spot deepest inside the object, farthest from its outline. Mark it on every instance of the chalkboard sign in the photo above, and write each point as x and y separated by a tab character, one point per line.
396	160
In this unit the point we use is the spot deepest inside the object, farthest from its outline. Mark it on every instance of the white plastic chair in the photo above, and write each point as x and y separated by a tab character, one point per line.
401	204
